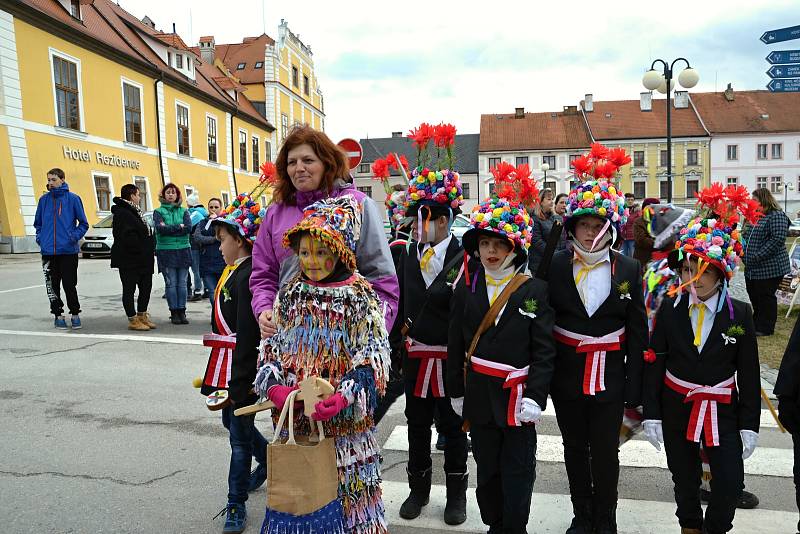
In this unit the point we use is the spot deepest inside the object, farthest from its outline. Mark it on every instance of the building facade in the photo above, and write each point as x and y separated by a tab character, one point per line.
91	89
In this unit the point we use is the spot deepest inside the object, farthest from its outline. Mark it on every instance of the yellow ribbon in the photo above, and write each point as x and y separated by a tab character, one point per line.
583	272
426	257
698	329
226	273
497	284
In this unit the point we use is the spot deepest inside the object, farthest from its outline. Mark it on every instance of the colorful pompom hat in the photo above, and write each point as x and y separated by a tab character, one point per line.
596	194
334	221
504	214
245	213
396	201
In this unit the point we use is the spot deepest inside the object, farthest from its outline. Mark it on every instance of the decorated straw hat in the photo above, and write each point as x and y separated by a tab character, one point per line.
435	184
336	222
245	213
504	214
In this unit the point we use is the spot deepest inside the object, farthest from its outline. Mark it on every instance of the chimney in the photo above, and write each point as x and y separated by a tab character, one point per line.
149	22
729	96
173	28
588	103
681	99
207	48
646	101
396	135
519	113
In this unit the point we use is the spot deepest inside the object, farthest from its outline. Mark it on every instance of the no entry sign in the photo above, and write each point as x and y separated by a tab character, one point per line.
353	150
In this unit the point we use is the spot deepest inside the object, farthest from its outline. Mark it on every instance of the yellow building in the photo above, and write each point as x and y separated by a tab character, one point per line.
278	77
89	88
640	128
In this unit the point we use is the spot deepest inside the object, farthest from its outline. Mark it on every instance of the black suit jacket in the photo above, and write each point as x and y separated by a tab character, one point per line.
623	372
673	342
787	386
515	340
427	308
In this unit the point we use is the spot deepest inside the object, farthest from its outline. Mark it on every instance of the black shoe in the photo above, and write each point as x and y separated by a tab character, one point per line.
196	297
206	294
582	520
257	477
747	501
761	334
182	316
420	486
174	318
440	442
164	296
455	510
605	520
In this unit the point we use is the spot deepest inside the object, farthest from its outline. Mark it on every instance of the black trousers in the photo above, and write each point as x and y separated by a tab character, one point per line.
765	303
506	460
727	477
420	416
61	270
394	390
590	431
796	472
131	279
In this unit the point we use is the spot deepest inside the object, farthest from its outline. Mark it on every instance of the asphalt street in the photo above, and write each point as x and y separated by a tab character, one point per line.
102	431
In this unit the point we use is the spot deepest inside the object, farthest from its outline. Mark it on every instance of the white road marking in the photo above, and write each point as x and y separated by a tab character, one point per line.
635	453
551	513
20	288
110	337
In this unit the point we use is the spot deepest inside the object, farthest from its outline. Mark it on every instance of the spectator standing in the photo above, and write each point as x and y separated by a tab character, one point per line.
561	204
173	225
766	261
132	253
197	213
543	218
628	242
643	241
60	223
211	261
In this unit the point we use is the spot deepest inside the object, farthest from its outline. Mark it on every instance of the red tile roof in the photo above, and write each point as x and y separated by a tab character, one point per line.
534	131
745	113
623	119
249	52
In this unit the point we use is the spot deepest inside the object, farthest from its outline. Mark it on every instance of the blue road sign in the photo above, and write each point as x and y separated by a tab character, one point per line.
784	71
780	35
792	85
783	56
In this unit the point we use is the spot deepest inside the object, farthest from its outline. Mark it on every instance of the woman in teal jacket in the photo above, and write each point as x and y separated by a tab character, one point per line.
173	251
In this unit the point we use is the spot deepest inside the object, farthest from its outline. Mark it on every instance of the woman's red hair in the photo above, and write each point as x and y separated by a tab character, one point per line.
178	199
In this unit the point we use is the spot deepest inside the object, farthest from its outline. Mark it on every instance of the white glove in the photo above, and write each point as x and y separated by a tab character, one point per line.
749	442
529	411
458	405
653	432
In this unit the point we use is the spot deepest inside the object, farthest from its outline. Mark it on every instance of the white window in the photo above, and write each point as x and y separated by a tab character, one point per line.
663	189
243	150
550	160
259	65
522	160
465	189
777	151
692	187
267	150
240	66
256	142
211	134
179	61
733	152
762	151
182	120
493	162
132	112
67	90
775	184
102	190
226	198
75	8
638	159
691	157
144	192
284	125
188	190
363	168
366	189
733	180
263	200
761	182
640	189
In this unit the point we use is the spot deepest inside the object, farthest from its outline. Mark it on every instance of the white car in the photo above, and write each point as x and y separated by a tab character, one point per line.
460	226
99	238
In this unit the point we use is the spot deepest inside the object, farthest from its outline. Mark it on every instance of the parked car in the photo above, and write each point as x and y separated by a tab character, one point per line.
99	239
460	226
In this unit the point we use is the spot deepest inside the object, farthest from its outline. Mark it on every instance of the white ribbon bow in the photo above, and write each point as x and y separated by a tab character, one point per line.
729	339
531	315
625	296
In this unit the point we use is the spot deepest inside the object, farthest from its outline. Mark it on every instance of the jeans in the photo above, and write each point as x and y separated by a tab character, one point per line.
246	443
628	246
130	279
210	283
174	280
196	280
61	270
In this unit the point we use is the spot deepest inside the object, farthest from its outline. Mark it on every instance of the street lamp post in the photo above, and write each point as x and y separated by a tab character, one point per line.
787	186
544	168
663	82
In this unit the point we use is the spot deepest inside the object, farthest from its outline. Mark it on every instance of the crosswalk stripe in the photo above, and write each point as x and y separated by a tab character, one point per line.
551	513
635	453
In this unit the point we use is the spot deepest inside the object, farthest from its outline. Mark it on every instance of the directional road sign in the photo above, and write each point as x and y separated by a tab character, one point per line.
783	56
781	34
784	71
792	85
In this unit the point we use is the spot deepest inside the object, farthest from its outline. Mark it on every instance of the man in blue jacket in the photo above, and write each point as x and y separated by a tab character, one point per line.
60	223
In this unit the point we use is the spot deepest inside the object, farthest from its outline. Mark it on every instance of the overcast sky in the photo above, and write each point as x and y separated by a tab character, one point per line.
387	66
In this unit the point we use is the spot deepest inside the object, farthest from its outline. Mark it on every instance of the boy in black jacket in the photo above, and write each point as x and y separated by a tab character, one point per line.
234	357
787	388
502	390
601	334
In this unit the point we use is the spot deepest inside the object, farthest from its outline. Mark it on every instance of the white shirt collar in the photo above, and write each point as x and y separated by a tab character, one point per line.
710	303
239	260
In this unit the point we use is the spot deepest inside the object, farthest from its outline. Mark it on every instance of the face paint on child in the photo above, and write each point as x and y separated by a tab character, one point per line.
316	260
493	251
706	284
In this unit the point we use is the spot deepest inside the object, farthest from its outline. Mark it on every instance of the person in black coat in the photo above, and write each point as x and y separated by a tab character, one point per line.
133	254
787	388
211	261
502	390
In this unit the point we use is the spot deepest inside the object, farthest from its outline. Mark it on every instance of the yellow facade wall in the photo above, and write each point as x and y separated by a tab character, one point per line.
11	222
255	92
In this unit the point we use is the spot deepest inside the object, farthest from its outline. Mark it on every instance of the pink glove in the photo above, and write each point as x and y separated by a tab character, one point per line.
328	408
277	394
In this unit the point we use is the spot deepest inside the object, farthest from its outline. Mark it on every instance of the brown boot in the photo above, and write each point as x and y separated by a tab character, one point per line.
135	323
690	531
144	318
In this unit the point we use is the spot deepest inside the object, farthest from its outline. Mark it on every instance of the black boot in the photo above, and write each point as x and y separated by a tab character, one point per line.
420	485
174	318
605	519
455	511
182	316
582	521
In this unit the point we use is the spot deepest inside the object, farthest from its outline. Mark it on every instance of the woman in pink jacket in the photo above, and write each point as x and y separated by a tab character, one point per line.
310	168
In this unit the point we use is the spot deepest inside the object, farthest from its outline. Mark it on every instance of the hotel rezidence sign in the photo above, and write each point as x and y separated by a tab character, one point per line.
112	160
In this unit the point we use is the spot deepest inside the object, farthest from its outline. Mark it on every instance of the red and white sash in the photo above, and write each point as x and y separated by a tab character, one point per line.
594	370
218	371
515	380
431	372
704	399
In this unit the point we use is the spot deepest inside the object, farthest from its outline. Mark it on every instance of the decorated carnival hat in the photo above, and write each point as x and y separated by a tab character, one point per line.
713	235
434	184
396	201
664	221
596	194
245	213
504	214
334	221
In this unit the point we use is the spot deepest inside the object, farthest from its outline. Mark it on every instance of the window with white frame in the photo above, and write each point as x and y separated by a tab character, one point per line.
179	61
573	157
551	161
732	152
691	157
662	161
777	150
188	191
663	189
305	84
295	77
732	180
259	65
638	158
797	186
692	188
243	150
465	189
102	190
182	120
75	8
240	66
267	150
522	160
640	189
144	194
762	151
226	198
256	157
761	182
67	88
211	133
263	200
284	126
363	168
366	189
775	184
132	102
493	162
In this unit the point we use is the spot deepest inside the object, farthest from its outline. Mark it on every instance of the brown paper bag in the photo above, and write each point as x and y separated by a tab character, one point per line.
302	477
